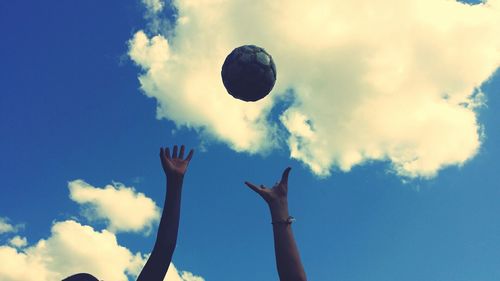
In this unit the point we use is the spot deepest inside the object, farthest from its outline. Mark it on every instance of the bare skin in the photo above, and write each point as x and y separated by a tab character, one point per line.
175	167
288	261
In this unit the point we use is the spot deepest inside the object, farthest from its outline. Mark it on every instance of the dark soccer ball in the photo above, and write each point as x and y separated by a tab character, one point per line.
249	73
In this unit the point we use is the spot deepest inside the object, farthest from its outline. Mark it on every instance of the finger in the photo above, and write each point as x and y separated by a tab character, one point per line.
174	153
190	155
181	153
162	157
167	153
254	187
284	177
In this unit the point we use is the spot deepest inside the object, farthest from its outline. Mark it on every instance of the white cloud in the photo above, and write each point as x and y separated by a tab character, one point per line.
73	248
18	241
372	80
200	102
13	265
123	207
174	275
5	226
154	6
188	276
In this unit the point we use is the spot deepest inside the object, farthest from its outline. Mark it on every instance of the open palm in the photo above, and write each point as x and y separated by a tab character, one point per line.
175	164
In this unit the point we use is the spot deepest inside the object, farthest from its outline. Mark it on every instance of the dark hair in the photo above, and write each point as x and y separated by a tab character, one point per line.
81	277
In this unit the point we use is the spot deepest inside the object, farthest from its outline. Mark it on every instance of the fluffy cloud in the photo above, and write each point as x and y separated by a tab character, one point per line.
197	100
74	248
385	80
6	227
122	207
174	275
188	276
70	249
18	241
153	6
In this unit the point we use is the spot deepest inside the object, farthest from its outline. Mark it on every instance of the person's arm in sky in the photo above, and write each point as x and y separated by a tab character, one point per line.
287	254
175	167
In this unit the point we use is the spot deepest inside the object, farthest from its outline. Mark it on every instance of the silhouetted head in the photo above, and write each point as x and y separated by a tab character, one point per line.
81	277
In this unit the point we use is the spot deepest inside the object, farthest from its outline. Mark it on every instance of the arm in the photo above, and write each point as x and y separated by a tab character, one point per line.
287	254
158	262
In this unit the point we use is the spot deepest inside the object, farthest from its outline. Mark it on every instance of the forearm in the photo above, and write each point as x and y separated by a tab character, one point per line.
166	239
288	261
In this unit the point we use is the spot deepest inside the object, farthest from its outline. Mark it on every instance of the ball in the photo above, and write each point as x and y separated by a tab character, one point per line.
249	73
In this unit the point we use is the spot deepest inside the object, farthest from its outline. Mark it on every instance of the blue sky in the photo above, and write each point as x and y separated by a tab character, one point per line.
72	107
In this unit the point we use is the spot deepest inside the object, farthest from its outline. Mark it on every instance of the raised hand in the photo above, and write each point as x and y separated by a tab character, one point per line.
288	262
175	165
276	196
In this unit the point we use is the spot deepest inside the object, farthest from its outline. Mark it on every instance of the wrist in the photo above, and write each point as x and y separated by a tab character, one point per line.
279	211
288	221
174	182
175	178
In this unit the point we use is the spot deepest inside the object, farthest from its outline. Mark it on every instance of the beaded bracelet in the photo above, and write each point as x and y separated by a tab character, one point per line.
289	220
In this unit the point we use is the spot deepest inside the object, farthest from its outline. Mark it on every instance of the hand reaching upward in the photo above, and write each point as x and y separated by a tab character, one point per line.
288	261
175	165
276	196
